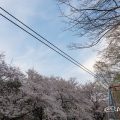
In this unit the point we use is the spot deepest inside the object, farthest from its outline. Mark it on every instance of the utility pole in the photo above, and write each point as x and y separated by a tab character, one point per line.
111	105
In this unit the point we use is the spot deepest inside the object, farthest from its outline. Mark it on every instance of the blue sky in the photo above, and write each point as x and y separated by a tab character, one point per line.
25	52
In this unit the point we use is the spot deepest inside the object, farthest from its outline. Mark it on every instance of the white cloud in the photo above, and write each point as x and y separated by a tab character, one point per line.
90	63
81	75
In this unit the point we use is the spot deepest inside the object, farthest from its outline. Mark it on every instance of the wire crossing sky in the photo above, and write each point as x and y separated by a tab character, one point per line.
25	53
65	54
68	57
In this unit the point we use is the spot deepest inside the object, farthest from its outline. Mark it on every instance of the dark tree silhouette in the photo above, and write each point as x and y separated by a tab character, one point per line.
95	18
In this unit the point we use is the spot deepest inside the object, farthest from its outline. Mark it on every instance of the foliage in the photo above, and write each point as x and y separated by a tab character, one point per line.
36	97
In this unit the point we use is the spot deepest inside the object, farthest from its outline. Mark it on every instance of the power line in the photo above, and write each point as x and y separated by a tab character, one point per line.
60	51
74	62
46	40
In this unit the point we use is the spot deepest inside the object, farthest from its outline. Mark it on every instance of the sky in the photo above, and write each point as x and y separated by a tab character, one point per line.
25	52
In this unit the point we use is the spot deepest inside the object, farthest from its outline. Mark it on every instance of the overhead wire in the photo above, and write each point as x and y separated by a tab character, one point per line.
46	44
46	40
59	51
